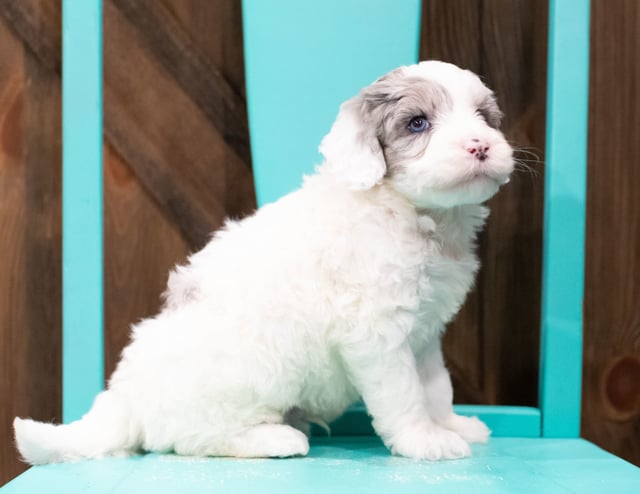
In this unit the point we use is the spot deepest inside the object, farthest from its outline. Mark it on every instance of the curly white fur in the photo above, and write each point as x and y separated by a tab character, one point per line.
339	290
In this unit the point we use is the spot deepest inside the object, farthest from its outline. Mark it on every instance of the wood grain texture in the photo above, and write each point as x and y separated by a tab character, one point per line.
214	28
30	267
43	235
14	398
160	133
141	246
37	23
492	348
168	144
206	85
140	90
199	79
611	386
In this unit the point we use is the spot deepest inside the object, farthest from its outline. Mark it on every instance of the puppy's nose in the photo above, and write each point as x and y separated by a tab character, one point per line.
477	147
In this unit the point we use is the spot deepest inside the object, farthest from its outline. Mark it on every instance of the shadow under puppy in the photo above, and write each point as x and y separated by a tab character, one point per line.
340	289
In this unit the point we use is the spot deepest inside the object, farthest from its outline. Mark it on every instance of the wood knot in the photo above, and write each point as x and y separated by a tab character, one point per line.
621	388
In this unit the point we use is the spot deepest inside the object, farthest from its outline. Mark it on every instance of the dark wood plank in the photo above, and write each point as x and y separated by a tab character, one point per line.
515	44
209	90
30	268
141	246
611	387
492	348
13	310
215	30
451	31
43	236
35	23
160	133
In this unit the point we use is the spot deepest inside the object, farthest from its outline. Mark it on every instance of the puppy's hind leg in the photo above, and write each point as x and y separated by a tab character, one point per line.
270	440
257	441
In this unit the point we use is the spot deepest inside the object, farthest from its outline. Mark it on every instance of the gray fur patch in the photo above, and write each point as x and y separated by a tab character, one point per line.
392	102
490	111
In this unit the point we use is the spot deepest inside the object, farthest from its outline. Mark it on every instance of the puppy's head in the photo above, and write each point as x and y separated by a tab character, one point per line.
429	130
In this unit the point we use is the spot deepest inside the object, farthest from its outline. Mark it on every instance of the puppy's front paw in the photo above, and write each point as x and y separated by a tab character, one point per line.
427	441
471	429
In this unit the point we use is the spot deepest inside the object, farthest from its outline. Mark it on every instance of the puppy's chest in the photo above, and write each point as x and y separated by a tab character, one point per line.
446	275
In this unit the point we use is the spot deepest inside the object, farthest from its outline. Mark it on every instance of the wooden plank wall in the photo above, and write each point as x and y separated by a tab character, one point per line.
177	161
30	230
611	386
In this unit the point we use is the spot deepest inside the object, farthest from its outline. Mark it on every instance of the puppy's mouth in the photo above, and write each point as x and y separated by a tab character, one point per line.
479	178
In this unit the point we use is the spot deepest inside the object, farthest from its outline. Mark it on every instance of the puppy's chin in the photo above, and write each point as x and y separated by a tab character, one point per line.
475	190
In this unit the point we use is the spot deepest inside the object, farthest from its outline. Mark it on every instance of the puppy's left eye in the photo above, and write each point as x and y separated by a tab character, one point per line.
418	124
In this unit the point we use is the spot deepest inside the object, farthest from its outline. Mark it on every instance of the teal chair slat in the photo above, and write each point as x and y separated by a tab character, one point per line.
564	218
302	60
83	375
504	421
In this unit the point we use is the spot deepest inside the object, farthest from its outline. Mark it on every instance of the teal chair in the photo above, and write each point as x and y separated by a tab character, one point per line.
533	449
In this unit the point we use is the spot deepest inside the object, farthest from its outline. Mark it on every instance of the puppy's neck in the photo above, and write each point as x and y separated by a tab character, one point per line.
455	228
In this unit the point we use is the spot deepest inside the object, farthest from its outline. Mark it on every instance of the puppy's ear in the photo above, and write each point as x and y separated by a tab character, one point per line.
351	148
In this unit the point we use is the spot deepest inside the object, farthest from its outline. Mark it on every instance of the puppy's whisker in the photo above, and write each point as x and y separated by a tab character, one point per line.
531	166
523	161
526	152
531	158
521	167
515	145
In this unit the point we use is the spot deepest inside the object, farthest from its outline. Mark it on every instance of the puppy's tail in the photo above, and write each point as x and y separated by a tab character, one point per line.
106	430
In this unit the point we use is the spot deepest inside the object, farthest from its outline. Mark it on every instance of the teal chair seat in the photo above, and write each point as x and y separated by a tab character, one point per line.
303	64
352	464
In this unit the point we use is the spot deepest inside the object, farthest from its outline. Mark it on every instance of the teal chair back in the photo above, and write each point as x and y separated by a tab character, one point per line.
82	266
303	59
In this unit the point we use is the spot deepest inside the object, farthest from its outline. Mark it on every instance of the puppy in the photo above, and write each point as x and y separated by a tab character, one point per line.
337	291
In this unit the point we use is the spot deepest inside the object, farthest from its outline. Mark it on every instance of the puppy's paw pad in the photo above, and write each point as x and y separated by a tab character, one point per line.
430	442
471	429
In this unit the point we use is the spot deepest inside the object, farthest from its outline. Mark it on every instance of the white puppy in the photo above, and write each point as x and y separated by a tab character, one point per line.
337	291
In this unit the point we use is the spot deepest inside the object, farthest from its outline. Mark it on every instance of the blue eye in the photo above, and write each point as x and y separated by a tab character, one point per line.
418	124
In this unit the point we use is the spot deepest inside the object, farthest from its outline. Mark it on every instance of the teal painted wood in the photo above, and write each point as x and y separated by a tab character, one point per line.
564	218
302	60
504	421
82	205
352	464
